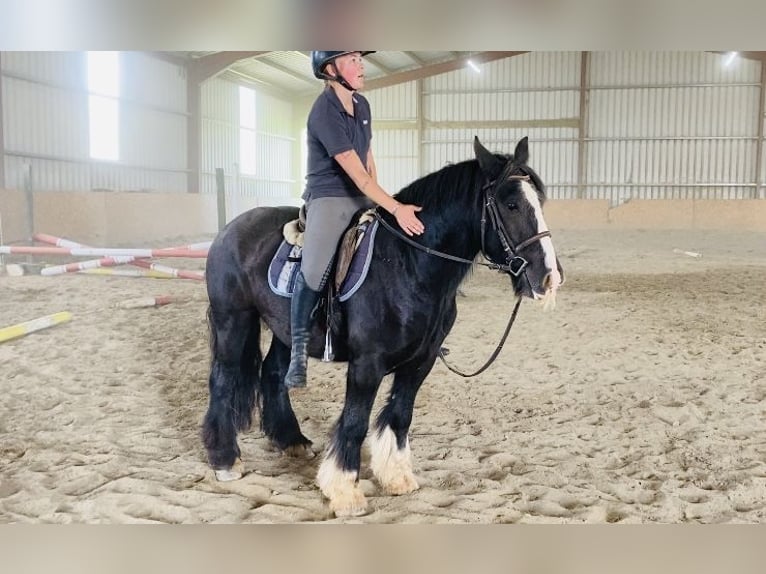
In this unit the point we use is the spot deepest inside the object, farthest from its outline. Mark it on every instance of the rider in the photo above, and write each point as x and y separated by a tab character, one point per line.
341	180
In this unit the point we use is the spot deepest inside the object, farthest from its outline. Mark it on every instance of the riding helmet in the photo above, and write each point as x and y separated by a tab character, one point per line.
320	59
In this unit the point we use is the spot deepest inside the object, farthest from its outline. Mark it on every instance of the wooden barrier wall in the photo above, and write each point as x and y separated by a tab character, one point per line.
99	218
107	219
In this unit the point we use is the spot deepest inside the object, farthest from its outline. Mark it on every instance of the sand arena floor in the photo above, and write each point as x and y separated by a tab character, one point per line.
641	398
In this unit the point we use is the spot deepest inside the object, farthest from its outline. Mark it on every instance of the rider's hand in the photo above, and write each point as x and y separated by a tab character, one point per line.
407	220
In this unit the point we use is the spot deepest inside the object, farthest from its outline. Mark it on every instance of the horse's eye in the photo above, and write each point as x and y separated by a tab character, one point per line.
513	206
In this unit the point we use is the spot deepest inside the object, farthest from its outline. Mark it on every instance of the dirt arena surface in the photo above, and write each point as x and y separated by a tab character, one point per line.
641	398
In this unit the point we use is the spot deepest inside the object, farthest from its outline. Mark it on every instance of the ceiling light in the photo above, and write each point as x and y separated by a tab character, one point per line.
730	58
475	67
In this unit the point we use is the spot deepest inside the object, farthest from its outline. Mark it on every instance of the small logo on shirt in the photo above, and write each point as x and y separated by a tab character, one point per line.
364	122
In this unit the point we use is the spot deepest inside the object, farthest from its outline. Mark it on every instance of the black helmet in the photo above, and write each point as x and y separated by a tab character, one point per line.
320	59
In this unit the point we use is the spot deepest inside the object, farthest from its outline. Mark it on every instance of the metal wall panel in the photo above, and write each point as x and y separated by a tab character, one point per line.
220	129
45	100
275	146
153	82
671	125
396	158
396	151
65	69
540	88
658	124
393	103
542	70
44	120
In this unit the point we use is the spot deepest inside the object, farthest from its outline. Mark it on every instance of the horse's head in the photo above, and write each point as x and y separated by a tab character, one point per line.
514	232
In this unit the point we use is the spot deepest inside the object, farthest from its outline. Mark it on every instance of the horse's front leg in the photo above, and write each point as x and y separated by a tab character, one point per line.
338	475
389	441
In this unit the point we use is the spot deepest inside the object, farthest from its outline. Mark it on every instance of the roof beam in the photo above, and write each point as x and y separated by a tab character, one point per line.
376	62
171	57
436	69
285	71
207	67
414	58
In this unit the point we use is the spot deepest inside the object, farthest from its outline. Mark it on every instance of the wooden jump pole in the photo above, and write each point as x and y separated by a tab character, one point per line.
21	329
172	271
112	261
145	302
102	252
126	272
85	265
61	242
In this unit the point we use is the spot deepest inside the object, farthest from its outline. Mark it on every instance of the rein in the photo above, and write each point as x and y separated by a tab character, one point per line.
494	354
514	264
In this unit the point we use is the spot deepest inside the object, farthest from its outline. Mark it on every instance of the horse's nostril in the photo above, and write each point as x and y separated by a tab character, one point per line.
548	281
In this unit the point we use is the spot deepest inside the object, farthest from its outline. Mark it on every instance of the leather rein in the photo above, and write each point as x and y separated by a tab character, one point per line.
514	263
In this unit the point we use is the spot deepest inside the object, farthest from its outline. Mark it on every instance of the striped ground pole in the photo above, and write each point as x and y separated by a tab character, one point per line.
27	327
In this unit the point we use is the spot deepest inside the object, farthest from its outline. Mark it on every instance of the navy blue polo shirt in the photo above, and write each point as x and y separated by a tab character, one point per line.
332	131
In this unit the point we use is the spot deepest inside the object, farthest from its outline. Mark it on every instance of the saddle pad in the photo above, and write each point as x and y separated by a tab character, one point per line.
283	269
284	266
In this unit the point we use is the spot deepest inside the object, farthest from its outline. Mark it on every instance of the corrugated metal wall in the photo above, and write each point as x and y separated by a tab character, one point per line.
656	124
275	146
675	125
396	149
45	114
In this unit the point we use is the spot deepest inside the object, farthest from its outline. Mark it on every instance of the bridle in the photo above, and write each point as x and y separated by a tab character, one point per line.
514	264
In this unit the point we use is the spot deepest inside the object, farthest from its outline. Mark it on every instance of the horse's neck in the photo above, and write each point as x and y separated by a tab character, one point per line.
451	236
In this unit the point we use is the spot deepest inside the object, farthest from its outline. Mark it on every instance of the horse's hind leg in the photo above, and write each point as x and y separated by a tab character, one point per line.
277	417
338	474
233	377
391	460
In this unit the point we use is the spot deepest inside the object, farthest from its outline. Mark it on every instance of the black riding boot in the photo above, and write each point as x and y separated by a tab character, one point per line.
303	302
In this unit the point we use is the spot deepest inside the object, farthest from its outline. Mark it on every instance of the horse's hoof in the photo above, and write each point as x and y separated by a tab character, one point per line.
403	484
228	474
299	451
349	505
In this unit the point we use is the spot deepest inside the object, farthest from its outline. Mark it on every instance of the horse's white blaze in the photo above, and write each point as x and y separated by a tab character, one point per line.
340	487
547	244
392	466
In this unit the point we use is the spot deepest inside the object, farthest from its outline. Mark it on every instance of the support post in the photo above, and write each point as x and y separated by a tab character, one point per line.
759	185
194	127
220	185
420	118
582	123
2	129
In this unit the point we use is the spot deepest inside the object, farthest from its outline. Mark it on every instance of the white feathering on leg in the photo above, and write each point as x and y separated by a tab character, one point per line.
392	466
341	488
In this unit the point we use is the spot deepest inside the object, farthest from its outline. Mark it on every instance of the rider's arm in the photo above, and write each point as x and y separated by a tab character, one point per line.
368	185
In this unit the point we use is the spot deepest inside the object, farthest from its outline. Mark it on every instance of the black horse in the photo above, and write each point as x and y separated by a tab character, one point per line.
395	323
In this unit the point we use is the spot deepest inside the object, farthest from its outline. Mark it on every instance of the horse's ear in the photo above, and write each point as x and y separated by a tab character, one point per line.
489	164
521	154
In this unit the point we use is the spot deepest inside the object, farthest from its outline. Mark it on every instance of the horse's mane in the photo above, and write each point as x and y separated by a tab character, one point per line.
454	183
448	186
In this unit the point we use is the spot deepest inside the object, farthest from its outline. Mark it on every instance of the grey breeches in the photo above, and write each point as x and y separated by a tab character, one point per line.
326	220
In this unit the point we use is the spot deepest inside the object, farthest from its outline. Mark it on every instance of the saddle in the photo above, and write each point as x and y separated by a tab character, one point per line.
352	258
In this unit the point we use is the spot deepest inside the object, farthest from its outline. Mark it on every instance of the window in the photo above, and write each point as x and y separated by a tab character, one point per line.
247	131
103	105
